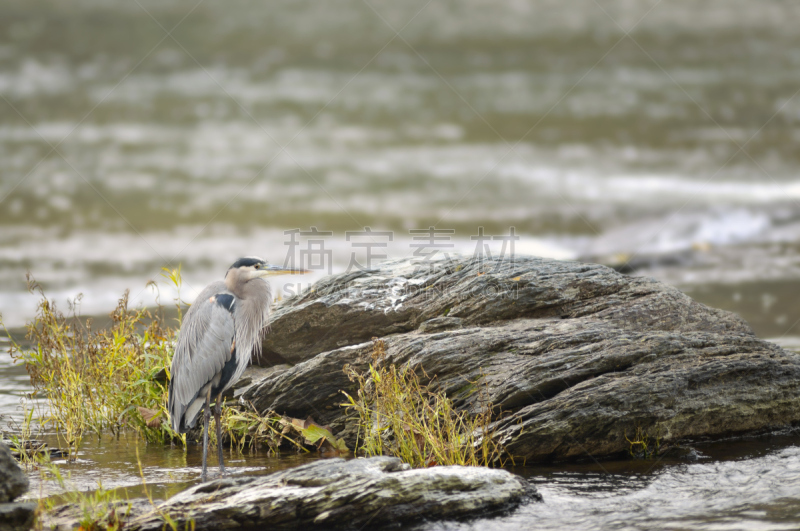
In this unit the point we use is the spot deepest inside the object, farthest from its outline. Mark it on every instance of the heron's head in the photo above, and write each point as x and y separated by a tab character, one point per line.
252	267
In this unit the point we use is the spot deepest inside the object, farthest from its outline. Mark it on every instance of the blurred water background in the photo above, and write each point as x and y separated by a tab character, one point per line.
658	134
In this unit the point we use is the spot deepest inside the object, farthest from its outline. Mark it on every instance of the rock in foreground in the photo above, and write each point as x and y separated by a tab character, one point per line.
13	483
579	358
334	493
17	516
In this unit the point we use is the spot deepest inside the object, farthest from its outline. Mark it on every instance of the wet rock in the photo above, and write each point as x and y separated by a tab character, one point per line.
67	517
17	516
251	376
686	453
31	448
334	493
578	357
13	481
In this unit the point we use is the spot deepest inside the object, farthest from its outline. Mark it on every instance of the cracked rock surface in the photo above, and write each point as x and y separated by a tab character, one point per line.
576	356
339	494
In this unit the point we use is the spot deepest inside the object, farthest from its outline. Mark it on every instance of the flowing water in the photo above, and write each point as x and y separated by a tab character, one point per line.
741	485
657	135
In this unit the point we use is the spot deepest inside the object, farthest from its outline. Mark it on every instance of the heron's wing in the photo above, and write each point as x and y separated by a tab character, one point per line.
205	344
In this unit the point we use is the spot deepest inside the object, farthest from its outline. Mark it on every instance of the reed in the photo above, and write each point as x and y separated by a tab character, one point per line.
398	415
95	379
644	445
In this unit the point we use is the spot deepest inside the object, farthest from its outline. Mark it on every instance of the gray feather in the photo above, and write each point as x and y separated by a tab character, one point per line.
204	345
206	340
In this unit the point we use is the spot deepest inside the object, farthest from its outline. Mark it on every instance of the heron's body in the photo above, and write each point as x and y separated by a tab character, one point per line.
218	336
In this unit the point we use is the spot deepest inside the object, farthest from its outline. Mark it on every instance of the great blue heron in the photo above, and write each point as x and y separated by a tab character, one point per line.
218	335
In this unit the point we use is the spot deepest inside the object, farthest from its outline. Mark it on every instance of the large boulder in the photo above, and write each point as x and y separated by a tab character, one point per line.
576	358
402	295
334	493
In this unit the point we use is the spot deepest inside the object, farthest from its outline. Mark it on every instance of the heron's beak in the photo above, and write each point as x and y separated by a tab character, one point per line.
273	270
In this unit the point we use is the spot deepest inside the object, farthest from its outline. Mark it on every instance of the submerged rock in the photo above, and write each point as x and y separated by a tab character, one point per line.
580	359
334	493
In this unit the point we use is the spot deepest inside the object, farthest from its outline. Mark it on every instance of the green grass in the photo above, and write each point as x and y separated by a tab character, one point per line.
399	416
94	380
644	446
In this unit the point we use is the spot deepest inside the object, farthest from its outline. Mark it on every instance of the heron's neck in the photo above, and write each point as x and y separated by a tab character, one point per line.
252	314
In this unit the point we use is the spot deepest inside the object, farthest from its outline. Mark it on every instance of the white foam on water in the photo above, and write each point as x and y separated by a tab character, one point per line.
685	230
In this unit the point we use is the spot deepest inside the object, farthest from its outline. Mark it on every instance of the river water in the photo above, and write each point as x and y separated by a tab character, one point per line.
660	135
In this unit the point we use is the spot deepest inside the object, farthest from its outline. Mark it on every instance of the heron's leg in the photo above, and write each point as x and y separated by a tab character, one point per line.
206	420
217	417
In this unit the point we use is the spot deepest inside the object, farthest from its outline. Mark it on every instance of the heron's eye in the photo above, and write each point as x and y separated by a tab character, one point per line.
257	266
